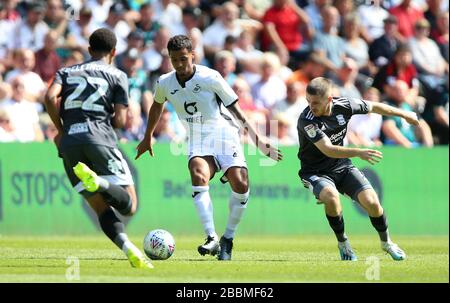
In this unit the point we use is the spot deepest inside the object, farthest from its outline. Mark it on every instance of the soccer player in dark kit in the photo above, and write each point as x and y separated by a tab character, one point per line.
325	165
94	100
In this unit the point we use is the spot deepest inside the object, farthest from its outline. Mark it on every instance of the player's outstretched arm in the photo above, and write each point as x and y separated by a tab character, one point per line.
51	104
387	110
153	117
336	151
263	146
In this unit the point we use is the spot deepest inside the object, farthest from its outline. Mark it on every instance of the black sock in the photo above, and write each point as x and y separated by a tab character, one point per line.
337	224
380	224
116	196
113	227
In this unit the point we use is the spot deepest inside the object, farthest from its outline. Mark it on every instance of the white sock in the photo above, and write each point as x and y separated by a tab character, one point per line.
204	207
238	203
127	244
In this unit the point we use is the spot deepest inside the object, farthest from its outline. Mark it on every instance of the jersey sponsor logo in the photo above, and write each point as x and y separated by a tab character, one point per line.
190	108
173	92
339	136
340	119
78	128
197	88
115	166
310	130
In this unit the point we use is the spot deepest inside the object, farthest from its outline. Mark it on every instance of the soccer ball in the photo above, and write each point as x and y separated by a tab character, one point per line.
159	244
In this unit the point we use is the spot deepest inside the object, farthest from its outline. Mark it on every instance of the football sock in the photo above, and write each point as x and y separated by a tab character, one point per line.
116	196
114	229
237	204
204	207
380	224
337	224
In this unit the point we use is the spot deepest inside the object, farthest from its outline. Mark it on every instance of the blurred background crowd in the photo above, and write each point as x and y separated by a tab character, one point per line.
393	51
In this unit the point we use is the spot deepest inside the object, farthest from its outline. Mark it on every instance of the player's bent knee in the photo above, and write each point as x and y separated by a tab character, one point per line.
329	195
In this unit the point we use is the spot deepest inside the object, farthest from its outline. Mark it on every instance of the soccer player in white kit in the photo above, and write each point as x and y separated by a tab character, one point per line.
198	94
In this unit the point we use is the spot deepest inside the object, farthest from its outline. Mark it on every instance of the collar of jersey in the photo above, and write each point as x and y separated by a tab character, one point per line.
192	76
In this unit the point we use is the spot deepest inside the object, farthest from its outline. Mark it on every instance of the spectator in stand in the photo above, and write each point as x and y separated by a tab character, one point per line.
432	12
100	9
433	75
345	79
280	135
407	15
117	23
270	89
23	113
134	129
6	127
344	7
137	80
313	10
225	64
167	13
396	130
47	60
24	63
81	29
152	56
6	39
399	68
292	106
312	68
135	40
284	24
164	131
30	33
327	43
75	57
355	47
56	19
365	130
48	127
245	50
147	25
225	25
164	68
441	37
372	15
383	48
189	27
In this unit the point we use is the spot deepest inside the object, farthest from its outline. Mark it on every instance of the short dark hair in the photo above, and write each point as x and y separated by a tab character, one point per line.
319	86
102	40
179	42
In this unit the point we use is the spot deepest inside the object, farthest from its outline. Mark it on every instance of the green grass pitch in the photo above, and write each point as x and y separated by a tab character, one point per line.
255	259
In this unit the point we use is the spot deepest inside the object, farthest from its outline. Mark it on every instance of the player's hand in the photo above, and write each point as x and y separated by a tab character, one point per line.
411	118
270	151
144	145
370	155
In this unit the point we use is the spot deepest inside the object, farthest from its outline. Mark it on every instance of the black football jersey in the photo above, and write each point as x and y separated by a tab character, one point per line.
311	129
89	92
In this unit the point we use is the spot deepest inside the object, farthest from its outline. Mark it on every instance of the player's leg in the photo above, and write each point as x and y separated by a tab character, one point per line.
356	186
114	229
369	200
202	169
238	178
109	222
325	191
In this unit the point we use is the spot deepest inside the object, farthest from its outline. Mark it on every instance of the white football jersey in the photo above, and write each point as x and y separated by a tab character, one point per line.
199	103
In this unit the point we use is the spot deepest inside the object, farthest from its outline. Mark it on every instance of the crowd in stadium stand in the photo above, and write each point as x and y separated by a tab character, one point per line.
393	51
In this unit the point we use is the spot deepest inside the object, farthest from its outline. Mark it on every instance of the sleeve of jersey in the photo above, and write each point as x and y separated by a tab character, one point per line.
359	106
121	90
223	90
160	96
310	130
58	78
